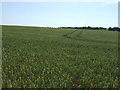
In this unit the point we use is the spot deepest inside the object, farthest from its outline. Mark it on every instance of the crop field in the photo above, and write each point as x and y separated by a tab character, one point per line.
39	57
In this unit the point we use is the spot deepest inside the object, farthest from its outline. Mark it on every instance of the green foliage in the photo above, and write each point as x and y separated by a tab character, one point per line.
47	57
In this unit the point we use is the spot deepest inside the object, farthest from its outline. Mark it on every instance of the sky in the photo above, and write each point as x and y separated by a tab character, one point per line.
119	14
60	14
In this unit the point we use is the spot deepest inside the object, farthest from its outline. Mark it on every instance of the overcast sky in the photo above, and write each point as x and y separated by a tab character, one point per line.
56	14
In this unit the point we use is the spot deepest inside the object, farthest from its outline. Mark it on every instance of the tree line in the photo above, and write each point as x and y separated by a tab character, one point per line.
114	29
94	28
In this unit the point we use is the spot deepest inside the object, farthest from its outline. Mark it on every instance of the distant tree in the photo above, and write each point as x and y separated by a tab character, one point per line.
109	28
89	27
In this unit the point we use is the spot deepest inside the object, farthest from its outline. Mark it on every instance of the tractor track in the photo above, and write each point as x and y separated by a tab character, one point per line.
79	38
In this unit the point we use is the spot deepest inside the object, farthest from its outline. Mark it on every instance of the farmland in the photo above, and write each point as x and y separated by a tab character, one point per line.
37	57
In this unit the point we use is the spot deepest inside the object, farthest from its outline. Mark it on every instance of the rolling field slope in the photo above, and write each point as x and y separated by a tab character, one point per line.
48	57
